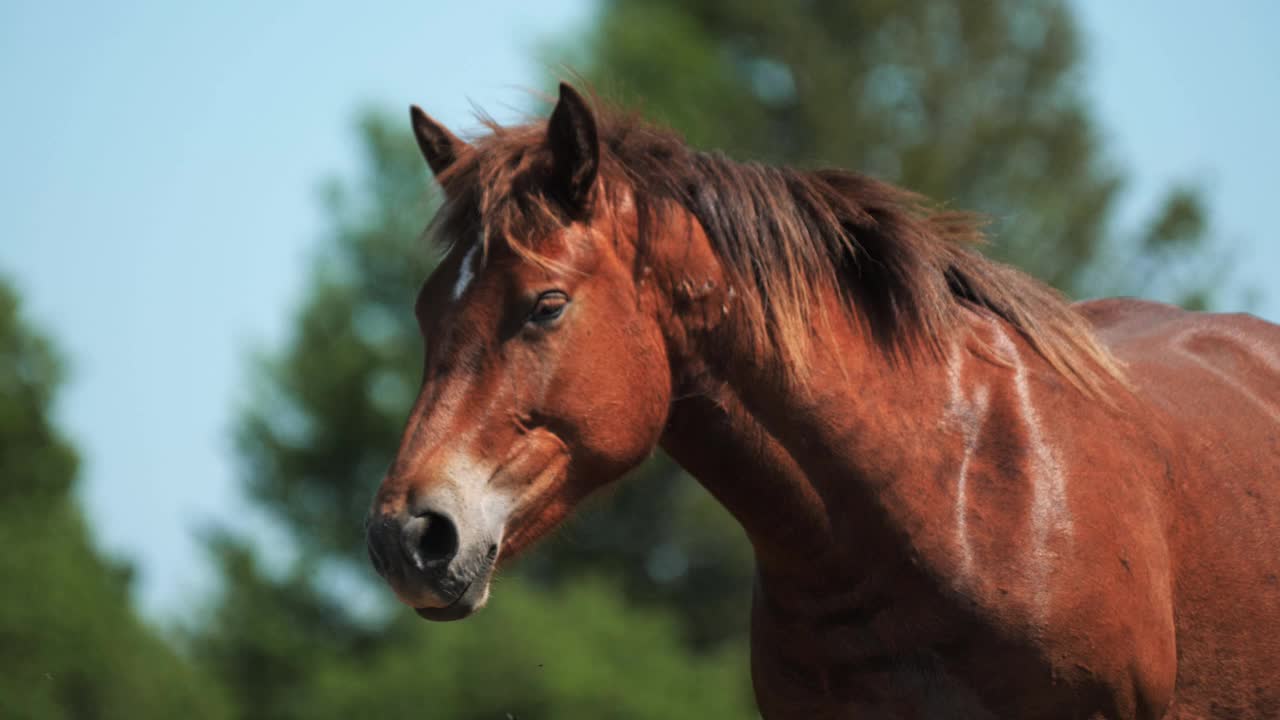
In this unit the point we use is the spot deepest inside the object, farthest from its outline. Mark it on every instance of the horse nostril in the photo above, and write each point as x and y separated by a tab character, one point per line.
380	537
431	539
440	541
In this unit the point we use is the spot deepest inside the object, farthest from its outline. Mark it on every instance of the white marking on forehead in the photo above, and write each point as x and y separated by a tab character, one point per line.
467	272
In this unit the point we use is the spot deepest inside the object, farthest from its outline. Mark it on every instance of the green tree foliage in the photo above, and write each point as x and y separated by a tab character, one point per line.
71	646
976	103
289	651
327	413
980	105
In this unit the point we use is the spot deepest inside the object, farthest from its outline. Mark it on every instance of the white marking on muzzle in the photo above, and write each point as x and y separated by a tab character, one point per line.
470	495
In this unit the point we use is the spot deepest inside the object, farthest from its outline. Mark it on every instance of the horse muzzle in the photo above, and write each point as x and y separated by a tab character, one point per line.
424	559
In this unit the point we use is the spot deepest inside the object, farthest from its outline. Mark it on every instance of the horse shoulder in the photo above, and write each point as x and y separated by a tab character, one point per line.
1064	525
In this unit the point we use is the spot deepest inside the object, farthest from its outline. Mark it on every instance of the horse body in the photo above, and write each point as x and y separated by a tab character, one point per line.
1045	555
960	506
1211	383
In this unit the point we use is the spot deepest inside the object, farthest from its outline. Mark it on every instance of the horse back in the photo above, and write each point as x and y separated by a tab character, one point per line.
1212	379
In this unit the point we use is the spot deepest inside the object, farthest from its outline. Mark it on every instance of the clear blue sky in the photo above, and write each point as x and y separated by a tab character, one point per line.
158	196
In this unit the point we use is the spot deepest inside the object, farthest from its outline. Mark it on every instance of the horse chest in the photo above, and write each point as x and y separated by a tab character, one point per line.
883	664
923	659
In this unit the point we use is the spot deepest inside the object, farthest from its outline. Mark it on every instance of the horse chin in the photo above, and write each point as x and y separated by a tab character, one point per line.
456	611
466	605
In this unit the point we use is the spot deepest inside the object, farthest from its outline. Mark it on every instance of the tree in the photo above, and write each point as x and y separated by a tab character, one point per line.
71	645
286	649
977	104
328	410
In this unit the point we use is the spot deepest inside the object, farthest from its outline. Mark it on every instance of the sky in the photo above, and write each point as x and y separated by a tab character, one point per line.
160	166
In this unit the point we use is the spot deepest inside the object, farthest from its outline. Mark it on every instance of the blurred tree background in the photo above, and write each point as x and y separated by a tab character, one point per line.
639	607
71	645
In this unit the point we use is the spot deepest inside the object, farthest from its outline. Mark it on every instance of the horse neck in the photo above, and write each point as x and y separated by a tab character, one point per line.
803	466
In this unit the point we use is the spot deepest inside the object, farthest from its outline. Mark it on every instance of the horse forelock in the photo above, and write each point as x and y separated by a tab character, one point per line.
903	267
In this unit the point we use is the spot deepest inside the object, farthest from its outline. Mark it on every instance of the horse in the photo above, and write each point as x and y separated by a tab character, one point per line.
966	497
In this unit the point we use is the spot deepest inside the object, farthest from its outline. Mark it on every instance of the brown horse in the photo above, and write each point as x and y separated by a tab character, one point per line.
966	497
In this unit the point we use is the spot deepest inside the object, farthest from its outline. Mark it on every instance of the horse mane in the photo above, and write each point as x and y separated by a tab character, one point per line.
904	267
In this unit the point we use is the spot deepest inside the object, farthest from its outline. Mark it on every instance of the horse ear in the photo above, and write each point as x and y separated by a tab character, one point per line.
440	147
575	147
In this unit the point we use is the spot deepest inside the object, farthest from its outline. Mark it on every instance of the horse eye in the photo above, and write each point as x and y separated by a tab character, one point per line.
548	307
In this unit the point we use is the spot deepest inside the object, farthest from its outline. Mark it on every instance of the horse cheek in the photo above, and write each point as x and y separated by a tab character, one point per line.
628	395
